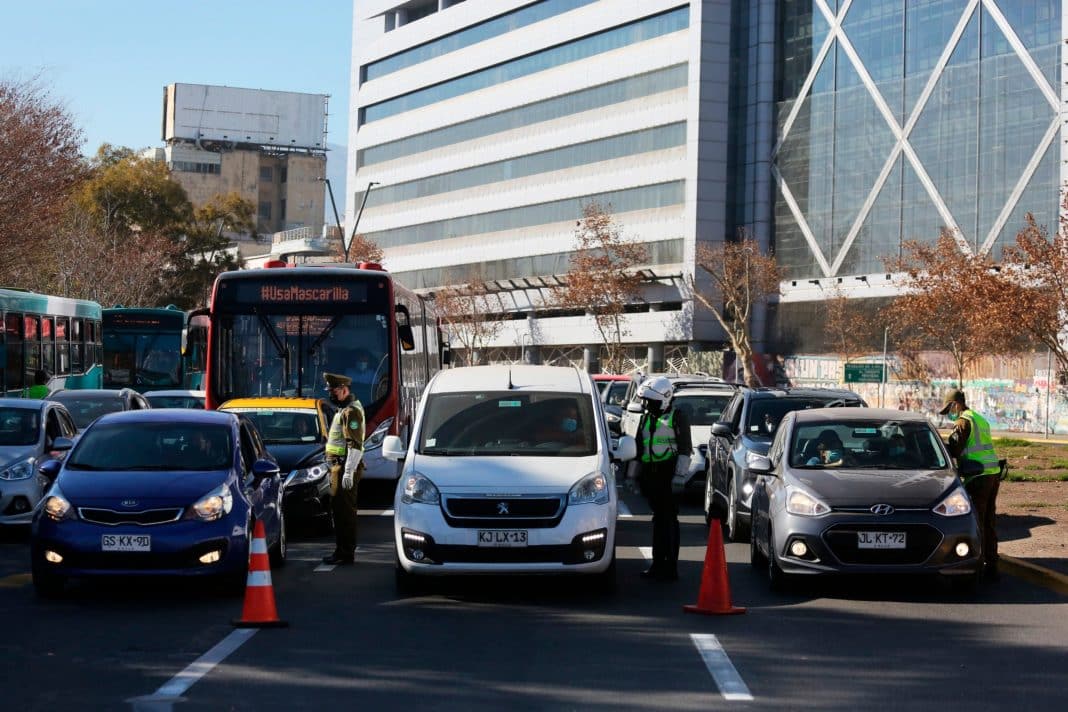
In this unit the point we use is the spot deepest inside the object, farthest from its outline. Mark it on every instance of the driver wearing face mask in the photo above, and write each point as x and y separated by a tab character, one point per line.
363	372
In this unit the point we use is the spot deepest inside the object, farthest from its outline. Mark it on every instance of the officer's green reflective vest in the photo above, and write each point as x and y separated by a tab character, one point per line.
980	445
335	441
659	444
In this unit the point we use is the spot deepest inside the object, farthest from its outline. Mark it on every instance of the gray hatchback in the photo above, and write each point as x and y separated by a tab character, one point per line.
28	429
861	490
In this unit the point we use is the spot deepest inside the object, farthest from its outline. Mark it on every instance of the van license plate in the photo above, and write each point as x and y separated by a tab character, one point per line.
502	537
880	540
126	542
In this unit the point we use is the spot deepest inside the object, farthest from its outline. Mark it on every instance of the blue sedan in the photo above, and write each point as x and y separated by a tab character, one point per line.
168	492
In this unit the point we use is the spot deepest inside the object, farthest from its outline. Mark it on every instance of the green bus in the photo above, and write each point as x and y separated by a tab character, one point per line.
153	349
56	337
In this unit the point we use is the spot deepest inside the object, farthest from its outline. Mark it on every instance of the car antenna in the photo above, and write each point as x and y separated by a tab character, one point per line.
510	386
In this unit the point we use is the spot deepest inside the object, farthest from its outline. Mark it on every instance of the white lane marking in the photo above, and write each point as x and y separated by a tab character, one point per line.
647	552
623	511
729	682
323	568
374	512
200	667
387	513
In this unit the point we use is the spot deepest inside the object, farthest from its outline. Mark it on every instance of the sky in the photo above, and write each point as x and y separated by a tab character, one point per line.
107	61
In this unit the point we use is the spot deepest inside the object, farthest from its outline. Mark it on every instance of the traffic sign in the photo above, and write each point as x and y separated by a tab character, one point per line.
864	372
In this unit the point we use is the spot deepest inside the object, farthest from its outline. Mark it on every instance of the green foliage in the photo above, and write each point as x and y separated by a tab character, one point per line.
126	193
1011	442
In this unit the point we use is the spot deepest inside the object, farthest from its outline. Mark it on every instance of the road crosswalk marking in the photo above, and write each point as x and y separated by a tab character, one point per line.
729	682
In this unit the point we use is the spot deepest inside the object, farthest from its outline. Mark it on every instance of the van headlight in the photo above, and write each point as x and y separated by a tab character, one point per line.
418	488
18	471
591	489
378	435
308	474
955	504
215	504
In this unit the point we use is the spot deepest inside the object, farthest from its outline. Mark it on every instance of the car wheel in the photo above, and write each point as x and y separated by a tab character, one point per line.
47	585
756	557
280	549
736	530
776	577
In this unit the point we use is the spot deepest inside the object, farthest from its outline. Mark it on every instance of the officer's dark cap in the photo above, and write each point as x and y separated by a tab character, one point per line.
334	380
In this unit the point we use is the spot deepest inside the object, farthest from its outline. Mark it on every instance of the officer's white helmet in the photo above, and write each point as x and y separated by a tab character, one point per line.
657	388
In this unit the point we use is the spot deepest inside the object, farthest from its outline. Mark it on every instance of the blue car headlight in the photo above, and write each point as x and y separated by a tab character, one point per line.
56	506
308	474
215	504
19	471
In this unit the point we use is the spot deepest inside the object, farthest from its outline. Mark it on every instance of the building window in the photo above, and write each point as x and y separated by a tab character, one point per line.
265	210
266	174
471	35
282	210
628	34
636	87
283	174
191	167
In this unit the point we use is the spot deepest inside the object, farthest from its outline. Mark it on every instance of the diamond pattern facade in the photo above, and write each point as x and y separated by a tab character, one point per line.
899	118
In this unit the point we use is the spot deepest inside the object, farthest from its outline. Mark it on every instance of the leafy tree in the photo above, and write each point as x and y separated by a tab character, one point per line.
40	163
205	247
942	304
602	279
742	276
464	309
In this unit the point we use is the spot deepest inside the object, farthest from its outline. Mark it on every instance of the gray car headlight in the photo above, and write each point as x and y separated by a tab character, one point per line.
308	474
804	504
591	489
955	504
418	488
18	471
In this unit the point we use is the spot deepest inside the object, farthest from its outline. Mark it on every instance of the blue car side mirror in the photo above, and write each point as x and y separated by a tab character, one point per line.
264	468
50	469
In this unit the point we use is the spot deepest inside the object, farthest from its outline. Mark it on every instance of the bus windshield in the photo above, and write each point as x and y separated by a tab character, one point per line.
287	354
133	359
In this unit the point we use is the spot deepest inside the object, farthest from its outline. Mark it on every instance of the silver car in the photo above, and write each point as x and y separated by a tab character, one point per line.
28	427
861	490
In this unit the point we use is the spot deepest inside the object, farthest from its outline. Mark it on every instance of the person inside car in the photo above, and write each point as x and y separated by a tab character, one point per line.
830	452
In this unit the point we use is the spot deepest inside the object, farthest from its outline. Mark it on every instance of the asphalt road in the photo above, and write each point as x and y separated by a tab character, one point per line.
531	644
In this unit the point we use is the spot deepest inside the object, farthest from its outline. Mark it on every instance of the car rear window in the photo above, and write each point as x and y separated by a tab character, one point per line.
86	409
765	414
175	401
154	446
508	423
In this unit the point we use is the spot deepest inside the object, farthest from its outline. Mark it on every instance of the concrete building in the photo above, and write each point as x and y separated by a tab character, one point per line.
267	146
831	130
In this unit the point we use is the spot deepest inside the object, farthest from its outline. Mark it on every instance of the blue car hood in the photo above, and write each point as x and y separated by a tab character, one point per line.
295	456
169	488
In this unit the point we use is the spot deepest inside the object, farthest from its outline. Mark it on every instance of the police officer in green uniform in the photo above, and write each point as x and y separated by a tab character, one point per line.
40	388
663	453
971	440
344	456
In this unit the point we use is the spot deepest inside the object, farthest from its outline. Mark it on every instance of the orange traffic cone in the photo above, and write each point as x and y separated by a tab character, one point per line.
714	598
259	611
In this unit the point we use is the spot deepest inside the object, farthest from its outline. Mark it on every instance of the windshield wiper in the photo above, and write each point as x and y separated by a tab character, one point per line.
326	332
281	347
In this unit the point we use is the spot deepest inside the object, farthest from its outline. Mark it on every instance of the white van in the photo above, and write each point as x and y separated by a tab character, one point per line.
509	470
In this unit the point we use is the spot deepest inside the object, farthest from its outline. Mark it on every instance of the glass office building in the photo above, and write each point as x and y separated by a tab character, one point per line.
896	119
831	130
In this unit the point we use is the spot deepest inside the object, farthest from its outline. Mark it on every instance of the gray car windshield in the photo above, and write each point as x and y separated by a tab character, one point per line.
19	426
869	444
154	446
508	423
86	409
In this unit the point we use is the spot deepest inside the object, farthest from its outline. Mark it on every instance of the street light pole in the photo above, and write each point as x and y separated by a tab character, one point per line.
1049	387
356	222
882	385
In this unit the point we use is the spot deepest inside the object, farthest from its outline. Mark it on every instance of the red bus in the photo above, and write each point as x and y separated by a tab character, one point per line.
275	331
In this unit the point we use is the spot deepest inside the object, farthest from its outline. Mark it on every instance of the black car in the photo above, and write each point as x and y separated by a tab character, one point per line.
862	490
748	423
86	405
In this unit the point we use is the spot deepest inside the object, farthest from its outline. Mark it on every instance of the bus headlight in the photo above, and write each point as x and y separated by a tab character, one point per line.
378	435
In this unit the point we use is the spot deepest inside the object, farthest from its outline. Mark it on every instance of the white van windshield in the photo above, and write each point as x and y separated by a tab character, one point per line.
508	423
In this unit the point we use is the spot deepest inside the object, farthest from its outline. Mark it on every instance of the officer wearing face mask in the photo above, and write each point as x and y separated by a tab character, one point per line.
663	455
971	440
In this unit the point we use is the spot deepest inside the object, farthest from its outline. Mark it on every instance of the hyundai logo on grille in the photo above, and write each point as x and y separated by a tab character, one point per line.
129	503
882	509
502	508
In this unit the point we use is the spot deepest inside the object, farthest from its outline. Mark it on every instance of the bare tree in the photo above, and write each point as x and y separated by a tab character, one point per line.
849	326
360	249
742	277
942	304
602	279
40	163
467	310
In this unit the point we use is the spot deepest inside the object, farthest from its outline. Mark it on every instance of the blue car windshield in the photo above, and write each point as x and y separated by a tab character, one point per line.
19	426
154	446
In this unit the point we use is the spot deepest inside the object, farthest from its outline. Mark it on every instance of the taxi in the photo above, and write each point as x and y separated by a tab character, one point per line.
294	431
